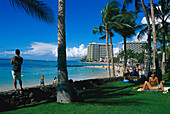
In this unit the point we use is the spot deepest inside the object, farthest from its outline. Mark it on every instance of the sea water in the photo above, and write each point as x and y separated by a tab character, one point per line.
34	69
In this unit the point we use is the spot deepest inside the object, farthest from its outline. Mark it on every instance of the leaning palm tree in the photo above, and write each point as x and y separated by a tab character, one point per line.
101	30
63	89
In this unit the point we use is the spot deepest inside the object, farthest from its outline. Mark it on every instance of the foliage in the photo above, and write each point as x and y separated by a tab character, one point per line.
166	76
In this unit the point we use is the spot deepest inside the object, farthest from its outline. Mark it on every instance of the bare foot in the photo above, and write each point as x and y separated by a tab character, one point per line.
162	81
135	87
15	89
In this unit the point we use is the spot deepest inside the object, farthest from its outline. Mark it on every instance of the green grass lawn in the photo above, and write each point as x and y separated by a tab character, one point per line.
111	98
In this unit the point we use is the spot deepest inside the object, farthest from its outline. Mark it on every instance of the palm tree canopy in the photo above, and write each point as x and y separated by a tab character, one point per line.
127	21
35	8
138	6
110	10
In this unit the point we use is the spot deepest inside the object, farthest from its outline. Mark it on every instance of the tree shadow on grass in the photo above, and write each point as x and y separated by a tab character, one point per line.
107	95
10	108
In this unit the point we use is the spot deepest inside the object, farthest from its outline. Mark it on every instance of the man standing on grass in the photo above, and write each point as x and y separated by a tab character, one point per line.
16	61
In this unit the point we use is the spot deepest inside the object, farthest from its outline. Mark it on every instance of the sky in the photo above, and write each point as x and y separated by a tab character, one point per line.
37	40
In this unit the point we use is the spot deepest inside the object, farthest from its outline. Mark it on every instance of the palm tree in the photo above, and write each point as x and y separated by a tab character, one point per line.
40	10
101	30
137	7
163	14
107	14
155	56
63	89
127	20
35	8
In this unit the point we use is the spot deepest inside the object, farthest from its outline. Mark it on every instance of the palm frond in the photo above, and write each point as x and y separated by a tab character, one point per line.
35	8
142	33
103	37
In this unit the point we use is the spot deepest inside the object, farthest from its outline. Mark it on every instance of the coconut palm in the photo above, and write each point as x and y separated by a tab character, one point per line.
101	31
63	89
163	14
107	14
155	56
127	20
40	10
35	8
138	6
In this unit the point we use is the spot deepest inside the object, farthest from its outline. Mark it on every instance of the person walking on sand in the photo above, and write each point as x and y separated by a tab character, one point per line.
42	80
16	61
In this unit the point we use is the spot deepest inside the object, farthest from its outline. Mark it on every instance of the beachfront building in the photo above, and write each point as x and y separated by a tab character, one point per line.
97	52
135	46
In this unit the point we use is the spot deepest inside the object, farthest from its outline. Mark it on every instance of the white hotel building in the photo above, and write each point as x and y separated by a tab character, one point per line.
97	52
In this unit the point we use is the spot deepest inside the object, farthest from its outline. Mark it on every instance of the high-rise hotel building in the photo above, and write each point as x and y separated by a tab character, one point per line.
96	52
135	46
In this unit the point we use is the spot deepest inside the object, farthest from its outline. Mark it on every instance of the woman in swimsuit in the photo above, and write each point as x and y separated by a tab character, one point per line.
153	81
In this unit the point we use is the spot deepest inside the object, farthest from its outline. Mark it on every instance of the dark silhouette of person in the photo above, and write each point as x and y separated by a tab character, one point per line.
17	61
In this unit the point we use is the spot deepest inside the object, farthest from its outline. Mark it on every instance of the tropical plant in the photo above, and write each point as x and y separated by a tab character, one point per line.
162	13
107	14
155	56
129	26
64	94
101	30
137	7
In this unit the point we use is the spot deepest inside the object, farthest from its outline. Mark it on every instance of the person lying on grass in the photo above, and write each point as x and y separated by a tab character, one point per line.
153	80
159	87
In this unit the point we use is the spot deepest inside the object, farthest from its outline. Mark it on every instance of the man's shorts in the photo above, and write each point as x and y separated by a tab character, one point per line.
16	75
41	82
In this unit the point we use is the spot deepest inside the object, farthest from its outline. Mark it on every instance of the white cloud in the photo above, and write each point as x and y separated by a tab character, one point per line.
40	48
144	38
77	52
116	50
49	49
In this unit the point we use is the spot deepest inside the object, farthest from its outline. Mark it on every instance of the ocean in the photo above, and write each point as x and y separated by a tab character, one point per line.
34	69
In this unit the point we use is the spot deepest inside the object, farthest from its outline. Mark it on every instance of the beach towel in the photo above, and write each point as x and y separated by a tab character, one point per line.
165	89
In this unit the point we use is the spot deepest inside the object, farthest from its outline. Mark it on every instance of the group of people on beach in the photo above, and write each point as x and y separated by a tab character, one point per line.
136	70
17	61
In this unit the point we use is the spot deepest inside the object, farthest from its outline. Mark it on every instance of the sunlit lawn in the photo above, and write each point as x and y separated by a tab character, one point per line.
115	97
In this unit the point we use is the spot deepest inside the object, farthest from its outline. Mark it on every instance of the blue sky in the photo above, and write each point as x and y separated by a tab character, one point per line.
38	40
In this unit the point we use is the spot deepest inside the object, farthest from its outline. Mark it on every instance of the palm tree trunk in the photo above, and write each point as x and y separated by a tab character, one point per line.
155	56
107	51
125	57
154	34
112	59
147	68
63	88
164	54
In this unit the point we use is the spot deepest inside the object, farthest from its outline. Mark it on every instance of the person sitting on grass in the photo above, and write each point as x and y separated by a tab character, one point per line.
159	87
153	80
